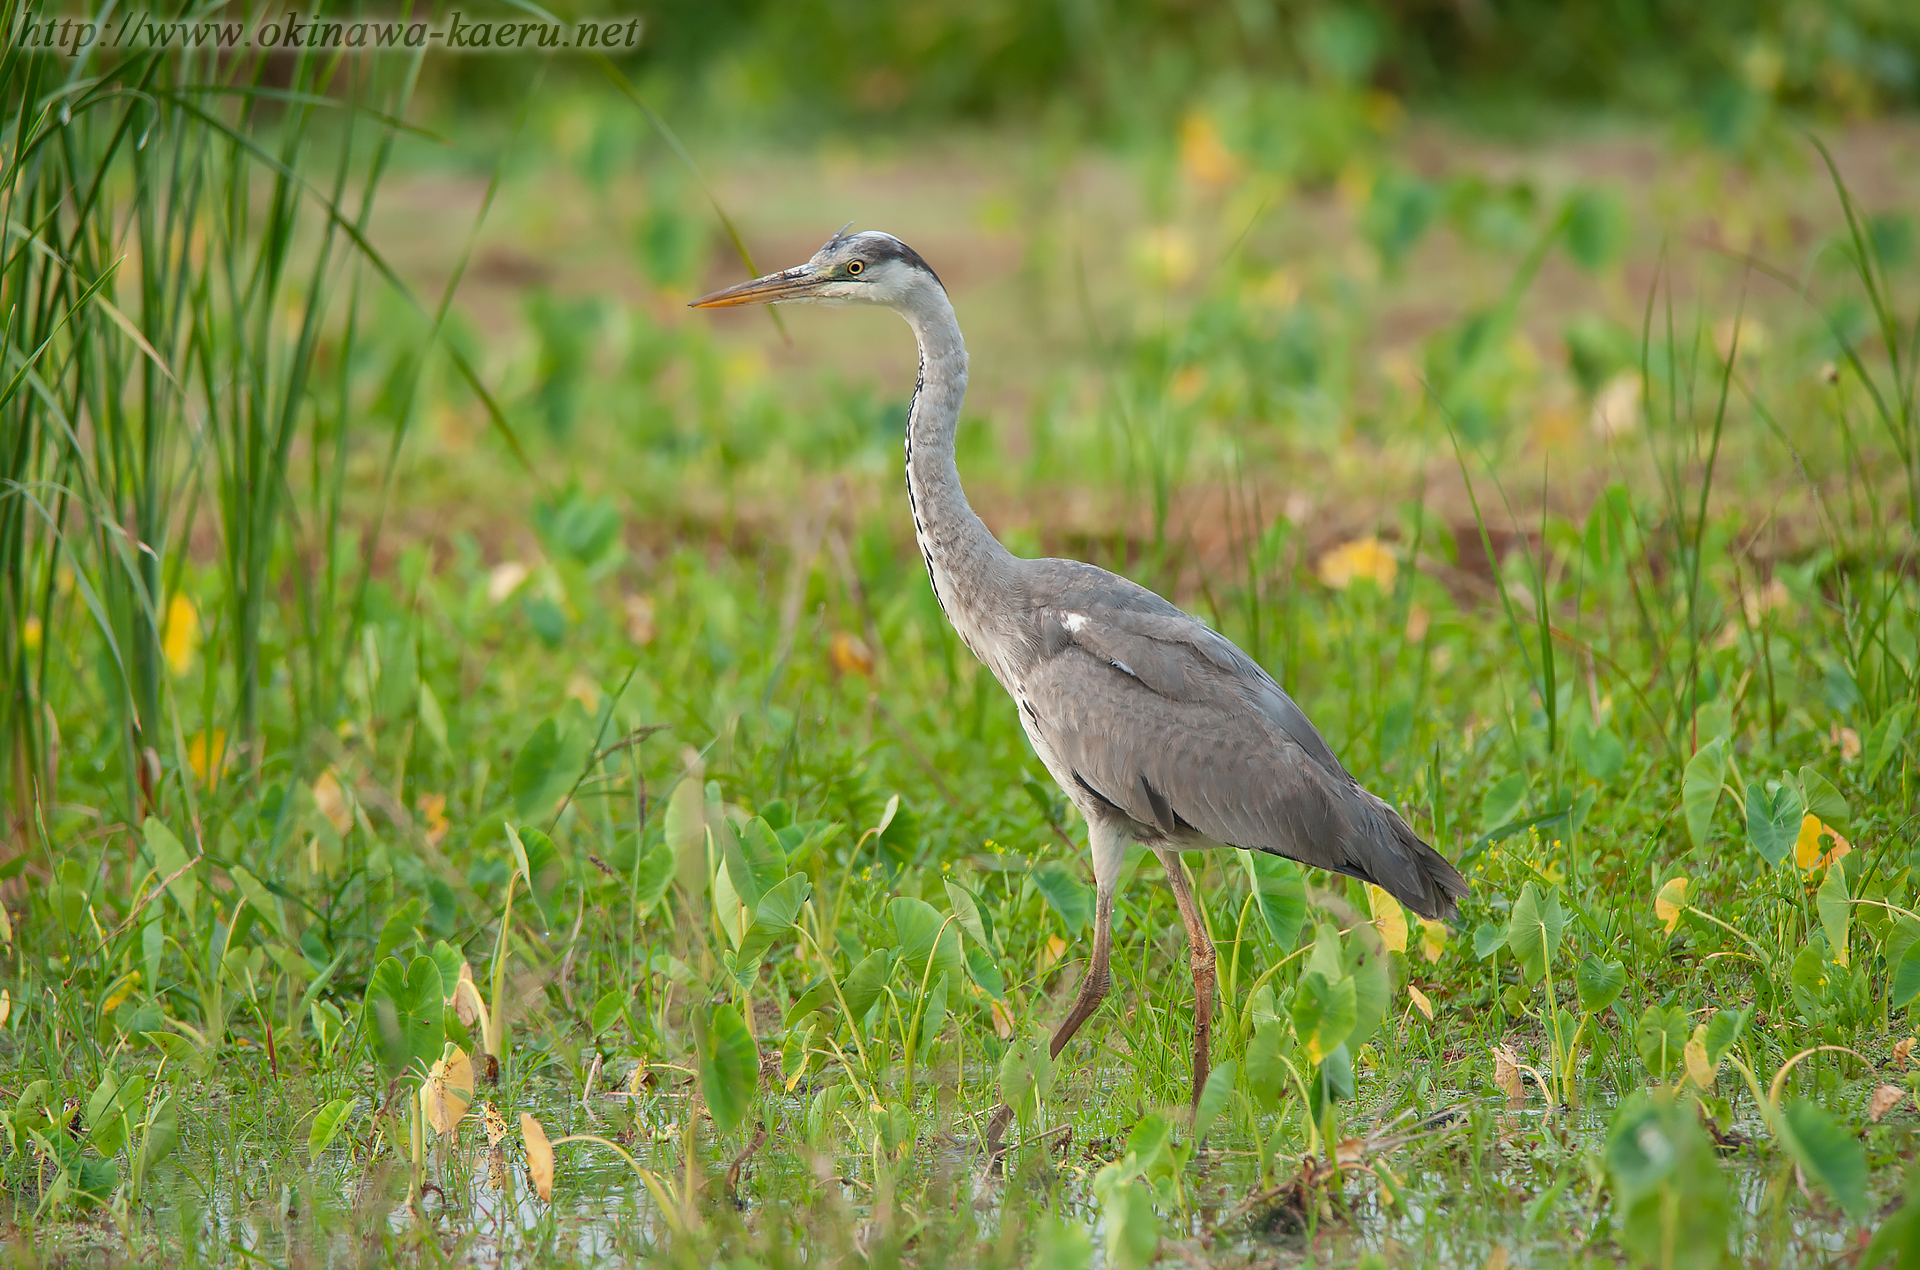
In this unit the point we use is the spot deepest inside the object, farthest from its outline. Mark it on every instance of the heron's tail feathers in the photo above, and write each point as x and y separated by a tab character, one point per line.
1410	870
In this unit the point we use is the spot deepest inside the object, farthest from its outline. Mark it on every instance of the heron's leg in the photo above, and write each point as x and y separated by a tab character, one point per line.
1109	850
1201	957
1094	984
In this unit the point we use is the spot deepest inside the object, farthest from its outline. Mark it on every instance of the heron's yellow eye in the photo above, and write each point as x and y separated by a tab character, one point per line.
855	266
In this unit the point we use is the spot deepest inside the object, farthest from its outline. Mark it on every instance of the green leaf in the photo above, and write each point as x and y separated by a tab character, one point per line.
179	1050
1279	893
1773	821
1596	229
982	969
1823	800
1826	1153
652	875
917	925
448	959
1065	895
158	1142
1660	1037
1598	751
1700	788
1723	1032
434	719
1502	801
1534	929
729	1067
404	1010
1267	1077
1884	742
1214	1096
262	901
966	910
1599	983
1897	1242
546	767
1323	1014
1488	939
686	833
1671	1201
755	862
865	981
1836	911
607	1011
933	1017
1366	964
817	995
775	916
327	1124
1906	978
519	850
170	858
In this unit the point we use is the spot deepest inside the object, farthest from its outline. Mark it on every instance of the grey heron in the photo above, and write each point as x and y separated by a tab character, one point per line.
1159	728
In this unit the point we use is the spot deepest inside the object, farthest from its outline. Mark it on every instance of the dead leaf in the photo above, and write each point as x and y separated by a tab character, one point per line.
504	579
640	627
539	1156
1497	1259
6	1006
494	1123
1506	1075
467	1005
1884	1099
1846	740
448	1090
1903	1051
1002	1020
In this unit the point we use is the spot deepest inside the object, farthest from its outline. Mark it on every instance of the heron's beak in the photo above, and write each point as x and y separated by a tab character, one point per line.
789	284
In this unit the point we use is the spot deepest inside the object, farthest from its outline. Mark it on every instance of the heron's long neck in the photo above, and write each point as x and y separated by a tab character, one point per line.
963	557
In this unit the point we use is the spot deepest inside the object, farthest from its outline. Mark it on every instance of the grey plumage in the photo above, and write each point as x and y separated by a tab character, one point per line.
1158	728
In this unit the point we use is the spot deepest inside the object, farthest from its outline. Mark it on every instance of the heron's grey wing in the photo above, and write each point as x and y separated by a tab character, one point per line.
1170	723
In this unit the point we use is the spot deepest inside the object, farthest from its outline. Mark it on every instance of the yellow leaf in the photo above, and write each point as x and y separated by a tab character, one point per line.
203	749
331	799
849	655
1497	1259
467	1005
539	1155
448	1089
1002	1020
120	991
6	928
1388	918
1903	1050
180	634
1672	899
582	688
504	579
6	1006
30	634
1433	939
1051	952
1203	156
1806	848
433	816
1361	558
1699	1070
1420	1001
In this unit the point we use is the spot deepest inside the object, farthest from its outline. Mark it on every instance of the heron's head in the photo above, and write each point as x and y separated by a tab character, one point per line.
865	268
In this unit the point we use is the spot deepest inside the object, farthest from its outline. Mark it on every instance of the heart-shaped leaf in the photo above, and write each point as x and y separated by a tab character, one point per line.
1323	1014
729	1067
1660	1037
1773	820
1599	983
405	1013
1534	929
1279	893
1700	788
